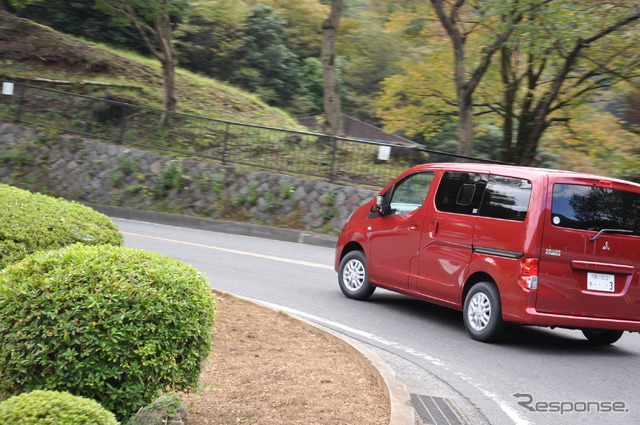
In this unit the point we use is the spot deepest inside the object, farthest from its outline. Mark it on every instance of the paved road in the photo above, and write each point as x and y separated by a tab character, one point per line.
560	379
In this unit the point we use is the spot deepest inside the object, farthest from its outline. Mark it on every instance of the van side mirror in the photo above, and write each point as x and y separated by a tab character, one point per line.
380	206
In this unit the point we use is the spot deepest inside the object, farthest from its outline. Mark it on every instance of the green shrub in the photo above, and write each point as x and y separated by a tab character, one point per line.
53	408
112	324
31	222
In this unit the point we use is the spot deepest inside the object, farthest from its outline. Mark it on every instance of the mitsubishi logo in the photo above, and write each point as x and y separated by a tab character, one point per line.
606	246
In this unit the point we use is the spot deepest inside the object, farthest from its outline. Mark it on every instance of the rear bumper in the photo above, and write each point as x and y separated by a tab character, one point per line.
534	317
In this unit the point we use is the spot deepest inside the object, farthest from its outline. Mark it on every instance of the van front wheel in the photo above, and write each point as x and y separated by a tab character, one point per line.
483	312
353	276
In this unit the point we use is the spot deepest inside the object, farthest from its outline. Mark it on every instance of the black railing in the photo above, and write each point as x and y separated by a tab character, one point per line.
292	151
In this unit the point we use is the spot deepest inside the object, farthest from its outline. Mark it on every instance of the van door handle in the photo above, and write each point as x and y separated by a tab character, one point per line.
433	228
414	226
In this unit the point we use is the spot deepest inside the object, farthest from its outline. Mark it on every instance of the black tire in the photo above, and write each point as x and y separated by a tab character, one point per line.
482	312
353	276
602	336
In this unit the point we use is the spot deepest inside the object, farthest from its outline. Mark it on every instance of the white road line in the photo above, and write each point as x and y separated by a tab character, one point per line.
234	251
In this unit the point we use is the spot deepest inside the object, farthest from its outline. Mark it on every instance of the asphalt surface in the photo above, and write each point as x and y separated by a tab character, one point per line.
426	346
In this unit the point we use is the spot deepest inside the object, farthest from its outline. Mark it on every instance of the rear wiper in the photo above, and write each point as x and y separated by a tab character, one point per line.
597	235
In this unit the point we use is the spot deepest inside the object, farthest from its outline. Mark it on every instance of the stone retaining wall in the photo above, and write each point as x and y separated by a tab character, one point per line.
109	174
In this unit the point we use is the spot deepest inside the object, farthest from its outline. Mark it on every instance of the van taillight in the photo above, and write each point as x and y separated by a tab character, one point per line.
529	273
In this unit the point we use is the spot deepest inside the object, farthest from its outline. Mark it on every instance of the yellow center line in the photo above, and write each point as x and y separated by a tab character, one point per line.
234	251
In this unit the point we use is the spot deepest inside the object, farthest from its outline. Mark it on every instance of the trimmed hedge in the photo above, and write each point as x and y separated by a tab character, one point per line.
113	324
53	408
31	222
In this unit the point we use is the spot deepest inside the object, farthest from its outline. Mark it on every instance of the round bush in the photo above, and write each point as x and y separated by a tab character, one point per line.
113	324
31	222
53	408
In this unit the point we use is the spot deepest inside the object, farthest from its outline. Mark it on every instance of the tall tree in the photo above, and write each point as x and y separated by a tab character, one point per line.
152	19
209	39
304	36
525	63
332	105
371	56
266	65
560	75
459	23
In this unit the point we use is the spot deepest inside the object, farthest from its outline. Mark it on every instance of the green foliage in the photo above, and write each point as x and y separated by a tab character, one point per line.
252	197
303	24
217	186
143	11
137	188
53	407
24	2
288	192
308	100
128	166
329	199
519	85
30	222
171	177
372	56
80	18
116	178
209	41
116	325
266	62
16	158
270	200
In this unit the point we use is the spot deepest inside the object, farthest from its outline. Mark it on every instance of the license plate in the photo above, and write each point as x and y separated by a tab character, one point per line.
601	282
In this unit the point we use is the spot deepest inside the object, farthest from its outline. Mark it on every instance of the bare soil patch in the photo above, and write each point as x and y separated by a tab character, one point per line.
269	368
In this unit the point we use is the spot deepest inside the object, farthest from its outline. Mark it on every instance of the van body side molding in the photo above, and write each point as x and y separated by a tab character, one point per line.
497	252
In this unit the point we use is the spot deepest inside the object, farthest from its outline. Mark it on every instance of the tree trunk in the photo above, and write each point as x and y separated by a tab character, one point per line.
332	106
162	26
449	16
161	32
508	116
465	111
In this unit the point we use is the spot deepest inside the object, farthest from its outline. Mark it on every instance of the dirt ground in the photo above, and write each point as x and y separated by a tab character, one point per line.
268	368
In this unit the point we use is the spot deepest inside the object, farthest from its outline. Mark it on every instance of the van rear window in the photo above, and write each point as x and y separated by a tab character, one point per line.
595	208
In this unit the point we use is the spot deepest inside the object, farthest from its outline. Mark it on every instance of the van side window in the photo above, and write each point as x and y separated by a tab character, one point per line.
460	192
595	208
410	193
506	198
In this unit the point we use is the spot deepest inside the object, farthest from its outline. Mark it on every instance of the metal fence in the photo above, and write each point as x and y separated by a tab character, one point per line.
291	151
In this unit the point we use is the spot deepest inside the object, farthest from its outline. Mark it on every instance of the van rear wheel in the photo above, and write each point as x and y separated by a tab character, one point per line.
353	276
602	336
483	312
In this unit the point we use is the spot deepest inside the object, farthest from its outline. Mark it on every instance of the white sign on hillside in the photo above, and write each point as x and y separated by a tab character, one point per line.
7	88
384	152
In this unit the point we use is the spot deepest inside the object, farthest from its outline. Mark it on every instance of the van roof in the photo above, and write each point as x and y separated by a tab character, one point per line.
517	170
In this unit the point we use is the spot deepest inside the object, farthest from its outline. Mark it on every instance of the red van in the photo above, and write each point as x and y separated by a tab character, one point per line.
504	244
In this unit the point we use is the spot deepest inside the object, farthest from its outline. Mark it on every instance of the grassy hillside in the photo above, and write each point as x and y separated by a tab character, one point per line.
30	52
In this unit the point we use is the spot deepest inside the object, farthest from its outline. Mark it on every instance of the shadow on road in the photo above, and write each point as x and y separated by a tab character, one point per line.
525	338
